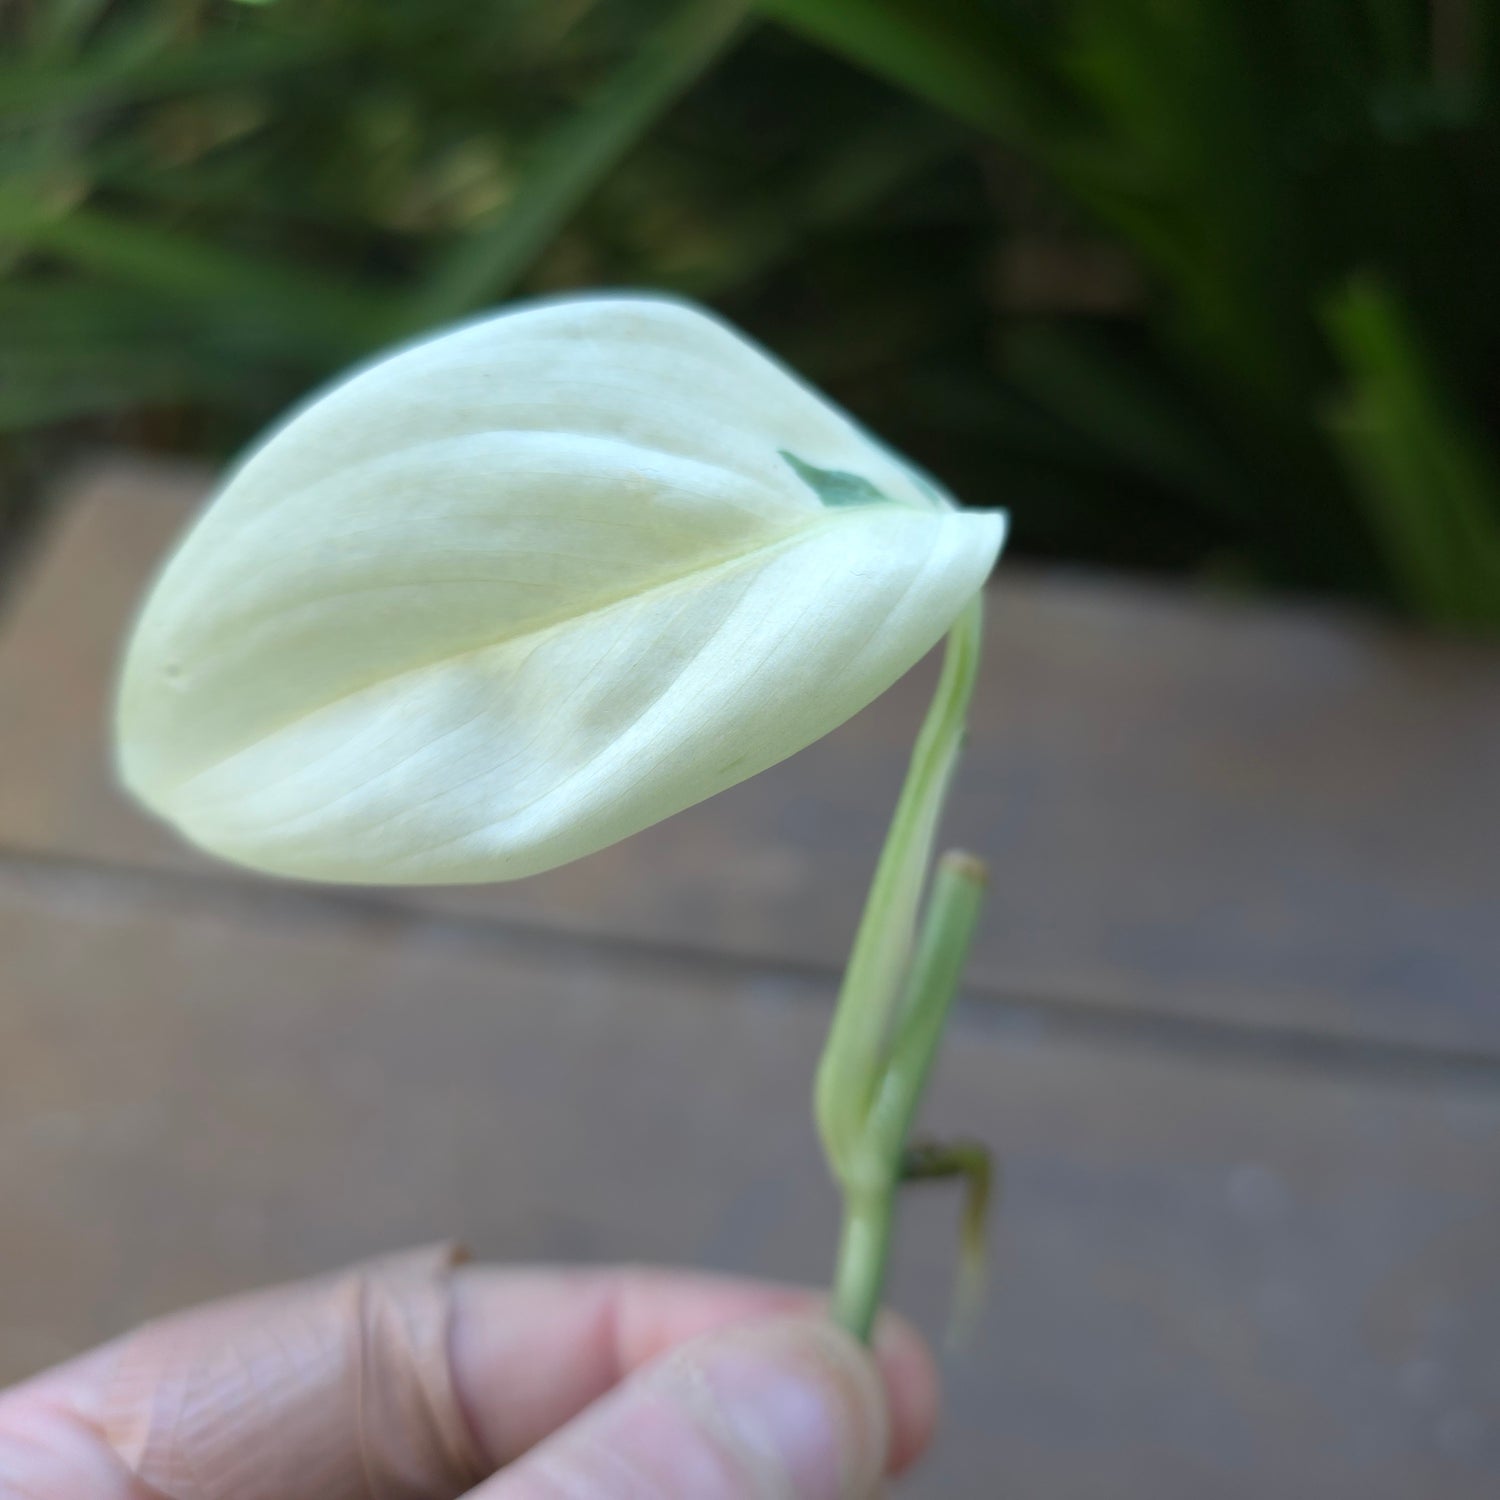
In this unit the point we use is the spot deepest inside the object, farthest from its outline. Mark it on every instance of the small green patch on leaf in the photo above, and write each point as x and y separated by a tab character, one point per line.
835	486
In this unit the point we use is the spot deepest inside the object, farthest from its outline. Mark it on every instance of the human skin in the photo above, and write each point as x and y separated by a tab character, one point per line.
416	1377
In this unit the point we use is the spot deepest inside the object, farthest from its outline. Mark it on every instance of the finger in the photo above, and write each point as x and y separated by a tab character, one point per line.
338	1389
790	1408
48	1451
533	1348
396	1378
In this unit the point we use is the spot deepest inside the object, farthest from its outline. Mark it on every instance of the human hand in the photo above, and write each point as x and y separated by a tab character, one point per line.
412	1379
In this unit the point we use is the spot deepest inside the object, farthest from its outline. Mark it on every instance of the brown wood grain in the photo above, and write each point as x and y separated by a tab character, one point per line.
1213	1277
1273	818
1245	860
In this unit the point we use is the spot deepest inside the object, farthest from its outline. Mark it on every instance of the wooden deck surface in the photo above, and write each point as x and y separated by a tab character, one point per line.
1234	1027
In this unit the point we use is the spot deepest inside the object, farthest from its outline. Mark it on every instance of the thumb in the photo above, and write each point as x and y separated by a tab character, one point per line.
790	1409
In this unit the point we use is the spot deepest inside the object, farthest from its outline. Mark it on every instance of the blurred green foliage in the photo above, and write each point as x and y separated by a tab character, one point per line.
1185	283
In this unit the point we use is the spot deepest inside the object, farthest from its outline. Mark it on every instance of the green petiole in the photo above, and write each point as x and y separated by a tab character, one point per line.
896	994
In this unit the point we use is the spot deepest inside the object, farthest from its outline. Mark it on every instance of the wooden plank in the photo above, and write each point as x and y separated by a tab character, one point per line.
1270	817
1212	1278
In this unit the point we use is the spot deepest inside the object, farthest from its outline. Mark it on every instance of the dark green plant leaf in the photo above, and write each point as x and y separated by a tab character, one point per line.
571	163
331	316
1430	487
980	62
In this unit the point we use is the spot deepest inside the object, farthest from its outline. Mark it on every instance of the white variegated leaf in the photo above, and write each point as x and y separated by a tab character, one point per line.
514	593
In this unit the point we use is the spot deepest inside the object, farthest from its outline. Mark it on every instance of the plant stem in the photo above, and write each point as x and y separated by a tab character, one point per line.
952	915
894	1002
880	1162
881	956
864	1249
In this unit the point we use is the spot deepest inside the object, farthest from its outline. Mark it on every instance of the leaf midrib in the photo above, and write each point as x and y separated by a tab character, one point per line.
543	626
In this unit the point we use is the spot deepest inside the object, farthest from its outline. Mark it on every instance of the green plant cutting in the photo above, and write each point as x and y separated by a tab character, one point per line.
516	592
